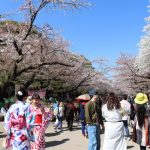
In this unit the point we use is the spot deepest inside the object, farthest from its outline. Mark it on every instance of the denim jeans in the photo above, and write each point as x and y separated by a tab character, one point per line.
59	124
94	137
126	129
83	125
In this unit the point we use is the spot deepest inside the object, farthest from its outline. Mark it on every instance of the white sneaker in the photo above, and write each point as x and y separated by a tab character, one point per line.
128	138
60	129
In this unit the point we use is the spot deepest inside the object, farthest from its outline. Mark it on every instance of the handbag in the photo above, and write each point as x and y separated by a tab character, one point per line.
6	142
134	137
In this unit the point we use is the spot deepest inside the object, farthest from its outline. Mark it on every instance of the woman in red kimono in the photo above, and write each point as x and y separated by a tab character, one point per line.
42	120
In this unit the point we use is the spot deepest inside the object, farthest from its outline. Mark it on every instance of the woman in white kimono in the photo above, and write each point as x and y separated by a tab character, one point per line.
114	138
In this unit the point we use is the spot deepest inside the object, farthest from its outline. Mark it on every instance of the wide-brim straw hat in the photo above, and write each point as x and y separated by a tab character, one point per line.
141	98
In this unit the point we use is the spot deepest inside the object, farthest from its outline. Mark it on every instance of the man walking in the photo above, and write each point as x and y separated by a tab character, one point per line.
127	107
93	116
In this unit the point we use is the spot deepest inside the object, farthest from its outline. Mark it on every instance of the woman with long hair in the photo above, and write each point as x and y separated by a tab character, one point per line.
114	138
141	129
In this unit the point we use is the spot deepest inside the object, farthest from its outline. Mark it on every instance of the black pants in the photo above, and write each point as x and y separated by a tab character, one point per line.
142	147
70	123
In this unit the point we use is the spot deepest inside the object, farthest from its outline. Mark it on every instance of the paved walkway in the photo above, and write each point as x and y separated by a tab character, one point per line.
66	140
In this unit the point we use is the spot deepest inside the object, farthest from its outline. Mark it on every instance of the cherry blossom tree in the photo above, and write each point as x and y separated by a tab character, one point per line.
127	78
43	58
19	58
142	60
125	75
31	55
19	42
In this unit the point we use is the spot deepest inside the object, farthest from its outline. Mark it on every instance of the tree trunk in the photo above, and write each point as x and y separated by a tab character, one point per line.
7	90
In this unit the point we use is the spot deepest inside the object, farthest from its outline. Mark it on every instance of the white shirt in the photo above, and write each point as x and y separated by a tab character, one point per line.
126	106
60	111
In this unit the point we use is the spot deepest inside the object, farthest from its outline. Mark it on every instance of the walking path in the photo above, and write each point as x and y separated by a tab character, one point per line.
66	140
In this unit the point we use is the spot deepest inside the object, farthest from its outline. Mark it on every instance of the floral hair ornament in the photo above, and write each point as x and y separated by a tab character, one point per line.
20	93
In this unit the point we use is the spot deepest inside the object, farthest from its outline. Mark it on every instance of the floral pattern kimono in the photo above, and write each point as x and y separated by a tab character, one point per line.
18	124
40	128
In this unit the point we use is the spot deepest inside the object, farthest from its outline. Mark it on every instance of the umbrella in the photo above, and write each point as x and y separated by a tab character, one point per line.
84	97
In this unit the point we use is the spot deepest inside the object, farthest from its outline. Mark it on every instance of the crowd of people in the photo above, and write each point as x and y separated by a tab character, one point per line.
27	120
115	114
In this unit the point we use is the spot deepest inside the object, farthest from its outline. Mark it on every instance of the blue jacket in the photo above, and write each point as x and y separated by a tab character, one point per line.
82	112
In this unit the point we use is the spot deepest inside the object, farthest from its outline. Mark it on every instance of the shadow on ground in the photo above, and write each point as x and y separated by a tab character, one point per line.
2	136
52	134
55	143
59	132
129	147
74	128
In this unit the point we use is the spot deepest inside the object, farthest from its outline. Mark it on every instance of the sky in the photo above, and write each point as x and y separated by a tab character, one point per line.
103	30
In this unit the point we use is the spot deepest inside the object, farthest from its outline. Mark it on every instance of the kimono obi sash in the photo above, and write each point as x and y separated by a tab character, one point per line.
38	119
18	123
